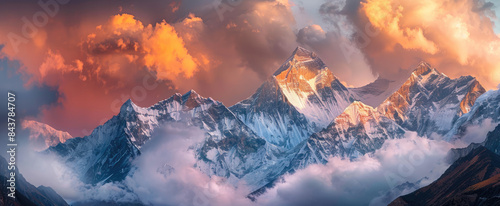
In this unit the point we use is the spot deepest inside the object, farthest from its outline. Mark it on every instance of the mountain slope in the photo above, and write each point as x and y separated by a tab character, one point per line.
492	142
106	154
483	193
468	177
360	129
312	88
430	102
486	107
302	97
272	117
26	193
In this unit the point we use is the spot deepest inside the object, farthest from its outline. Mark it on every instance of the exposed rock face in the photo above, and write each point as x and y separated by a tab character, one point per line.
430	102
360	129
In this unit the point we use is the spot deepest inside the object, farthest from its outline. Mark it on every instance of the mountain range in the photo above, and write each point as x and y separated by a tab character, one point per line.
301	115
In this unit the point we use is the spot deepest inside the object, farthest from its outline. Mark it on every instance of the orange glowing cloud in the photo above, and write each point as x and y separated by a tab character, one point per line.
55	62
386	15
125	22
125	40
455	36
165	51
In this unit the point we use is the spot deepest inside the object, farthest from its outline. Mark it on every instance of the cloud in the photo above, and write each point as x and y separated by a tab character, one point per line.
170	55
166	175
44	169
386	16
29	97
412	159
125	44
445	33
477	133
487	6
311	34
473	133
338	52
244	48
54	61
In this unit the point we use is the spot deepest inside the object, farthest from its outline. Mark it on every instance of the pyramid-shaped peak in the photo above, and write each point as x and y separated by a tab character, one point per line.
357	105
302	58
301	52
128	106
192	99
424	68
191	94
356	113
424	64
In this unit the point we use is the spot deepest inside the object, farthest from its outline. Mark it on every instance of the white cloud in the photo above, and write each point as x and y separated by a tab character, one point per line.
166	176
476	133
364	181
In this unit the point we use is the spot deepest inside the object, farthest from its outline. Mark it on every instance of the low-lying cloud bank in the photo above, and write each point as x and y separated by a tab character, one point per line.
164	175
366	180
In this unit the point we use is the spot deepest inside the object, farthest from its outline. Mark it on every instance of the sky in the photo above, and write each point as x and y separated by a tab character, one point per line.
75	62
497	22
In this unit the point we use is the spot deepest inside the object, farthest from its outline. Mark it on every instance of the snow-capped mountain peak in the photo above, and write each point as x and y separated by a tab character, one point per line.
301	52
128	106
360	129
302	75
191	95
228	143
357	113
425	72
312	88
43	136
306	94
300	55
423	69
430	101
